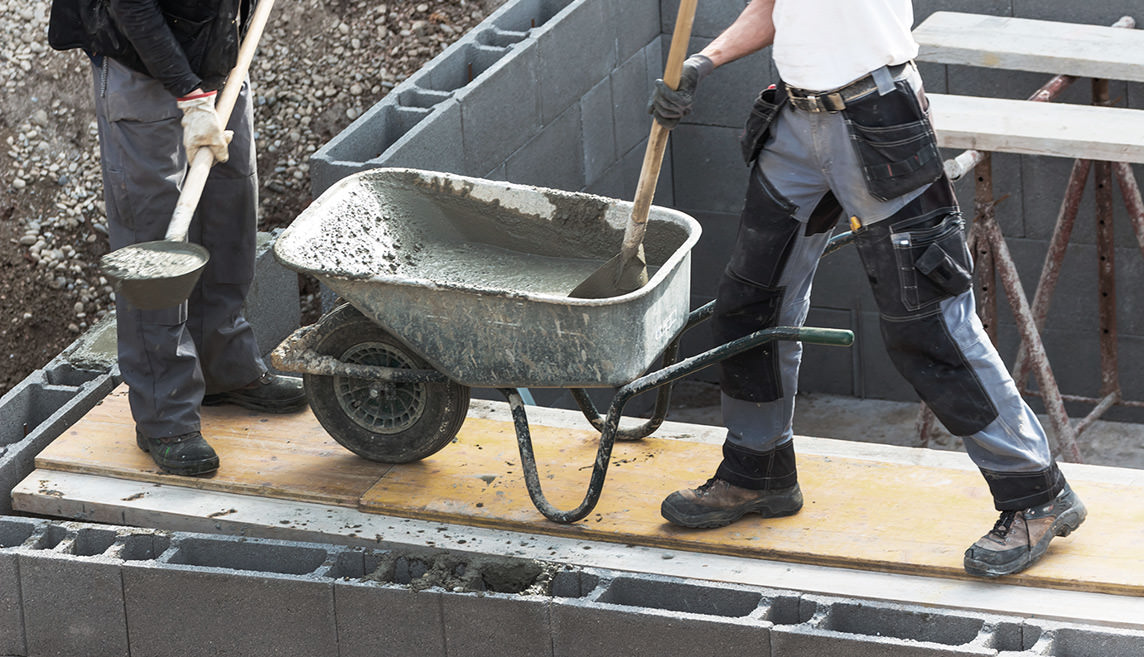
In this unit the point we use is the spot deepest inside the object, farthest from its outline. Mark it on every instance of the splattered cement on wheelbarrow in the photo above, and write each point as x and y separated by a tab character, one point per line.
474	275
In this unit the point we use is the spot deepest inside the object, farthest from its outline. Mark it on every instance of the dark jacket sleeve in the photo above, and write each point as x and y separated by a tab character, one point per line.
145	27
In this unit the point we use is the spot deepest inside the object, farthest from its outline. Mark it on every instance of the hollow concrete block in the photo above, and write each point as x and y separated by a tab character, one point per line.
575	53
597	127
72	605
553	158
496	625
502	113
377	619
707	168
13	533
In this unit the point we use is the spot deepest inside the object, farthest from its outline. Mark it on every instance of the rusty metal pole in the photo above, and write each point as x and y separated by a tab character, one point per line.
1051	270
1132	199
1106	248
983	265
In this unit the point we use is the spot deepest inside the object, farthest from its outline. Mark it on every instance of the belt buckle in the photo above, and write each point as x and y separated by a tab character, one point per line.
815	104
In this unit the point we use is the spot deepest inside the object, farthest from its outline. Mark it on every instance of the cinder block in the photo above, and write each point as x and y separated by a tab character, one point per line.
637	24
670	594
553	158
592	630
711	253
725	97
879	378
221	610
923	8
829	369
575	53
1074	641
631	88
496	625
631	163
711	16
1104	13
597	126
431	144
502	113
841	281
63	618
13	533
272	305
934	77
708	172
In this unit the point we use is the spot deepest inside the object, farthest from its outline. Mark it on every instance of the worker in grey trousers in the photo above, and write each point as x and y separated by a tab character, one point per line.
846	133
154	105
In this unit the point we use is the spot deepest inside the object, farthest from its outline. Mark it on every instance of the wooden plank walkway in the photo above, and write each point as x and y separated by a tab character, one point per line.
1022	44
860	514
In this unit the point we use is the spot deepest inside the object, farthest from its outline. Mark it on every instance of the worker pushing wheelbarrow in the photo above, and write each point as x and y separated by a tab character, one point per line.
452	282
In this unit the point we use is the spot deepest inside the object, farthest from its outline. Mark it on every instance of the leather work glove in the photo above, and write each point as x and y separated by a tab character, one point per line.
669	105
202	127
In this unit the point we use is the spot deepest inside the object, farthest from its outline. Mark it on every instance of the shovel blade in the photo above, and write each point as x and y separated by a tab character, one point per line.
615	277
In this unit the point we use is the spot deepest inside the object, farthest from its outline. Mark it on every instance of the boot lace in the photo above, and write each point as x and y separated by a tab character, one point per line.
1004	524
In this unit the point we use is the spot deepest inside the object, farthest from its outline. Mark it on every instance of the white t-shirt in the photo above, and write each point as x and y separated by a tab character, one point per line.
825	44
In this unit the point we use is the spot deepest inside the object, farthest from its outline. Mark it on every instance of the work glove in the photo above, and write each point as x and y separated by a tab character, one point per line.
669	105
202	127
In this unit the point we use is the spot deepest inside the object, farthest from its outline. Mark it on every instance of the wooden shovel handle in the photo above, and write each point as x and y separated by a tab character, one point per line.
201	161
657	140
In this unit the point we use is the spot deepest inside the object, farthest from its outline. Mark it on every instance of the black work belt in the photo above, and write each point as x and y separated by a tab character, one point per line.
837	99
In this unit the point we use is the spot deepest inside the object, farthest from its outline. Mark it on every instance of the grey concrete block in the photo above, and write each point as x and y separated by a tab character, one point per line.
711	253
934	77
631	87
672	595
708	172
553	158
711	17
1103	13
13	533
593	630
223	611
923	8
725	97
272	306
1068	641
841	281
430	144
829	369
575	53
879	378
62	617
502	113
630	165
597	125
637	24
496	625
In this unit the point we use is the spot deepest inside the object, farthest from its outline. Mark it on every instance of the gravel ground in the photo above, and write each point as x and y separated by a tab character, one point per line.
319	66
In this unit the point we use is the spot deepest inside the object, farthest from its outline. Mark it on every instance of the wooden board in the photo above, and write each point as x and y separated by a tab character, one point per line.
282	456
865	514
1096	51
862	514
1019	126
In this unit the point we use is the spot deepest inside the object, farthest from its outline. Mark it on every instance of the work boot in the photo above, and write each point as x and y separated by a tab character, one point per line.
185	454
718	503
269	393
1020	537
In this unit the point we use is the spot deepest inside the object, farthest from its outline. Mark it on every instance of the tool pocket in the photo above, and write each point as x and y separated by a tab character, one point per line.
932	258
763	114
894	142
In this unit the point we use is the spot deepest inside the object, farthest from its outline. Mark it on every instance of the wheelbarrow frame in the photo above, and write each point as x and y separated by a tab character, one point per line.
293	355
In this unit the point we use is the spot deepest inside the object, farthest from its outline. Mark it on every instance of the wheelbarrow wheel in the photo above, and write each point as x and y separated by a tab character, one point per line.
379	421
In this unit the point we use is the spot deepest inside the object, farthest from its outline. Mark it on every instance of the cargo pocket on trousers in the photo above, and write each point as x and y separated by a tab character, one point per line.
763	114
933	261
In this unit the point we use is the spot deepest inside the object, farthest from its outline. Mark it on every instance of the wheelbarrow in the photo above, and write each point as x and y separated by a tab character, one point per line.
449	282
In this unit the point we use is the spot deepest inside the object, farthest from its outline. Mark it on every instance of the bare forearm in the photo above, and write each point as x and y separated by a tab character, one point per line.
752	31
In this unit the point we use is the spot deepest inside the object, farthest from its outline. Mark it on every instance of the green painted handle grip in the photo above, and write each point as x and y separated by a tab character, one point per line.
833	337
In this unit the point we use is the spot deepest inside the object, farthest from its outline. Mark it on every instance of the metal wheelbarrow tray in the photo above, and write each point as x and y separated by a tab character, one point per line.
452	282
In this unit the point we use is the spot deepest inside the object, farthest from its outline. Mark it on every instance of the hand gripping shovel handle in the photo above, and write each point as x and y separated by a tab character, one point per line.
657	140
196	178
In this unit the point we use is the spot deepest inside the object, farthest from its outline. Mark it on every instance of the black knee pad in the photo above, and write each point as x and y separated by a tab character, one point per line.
741	308
924	352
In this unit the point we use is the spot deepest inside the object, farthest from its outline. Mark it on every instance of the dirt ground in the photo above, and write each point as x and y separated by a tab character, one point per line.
320	65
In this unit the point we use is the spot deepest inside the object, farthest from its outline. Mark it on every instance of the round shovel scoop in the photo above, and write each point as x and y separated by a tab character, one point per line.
154	275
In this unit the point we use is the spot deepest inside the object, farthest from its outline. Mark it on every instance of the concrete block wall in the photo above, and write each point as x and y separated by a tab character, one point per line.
262	597
554	93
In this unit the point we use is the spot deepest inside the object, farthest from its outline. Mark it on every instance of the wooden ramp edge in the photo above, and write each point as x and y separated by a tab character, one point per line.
859	514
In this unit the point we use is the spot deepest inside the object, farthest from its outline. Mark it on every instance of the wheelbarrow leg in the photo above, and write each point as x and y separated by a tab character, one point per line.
532	477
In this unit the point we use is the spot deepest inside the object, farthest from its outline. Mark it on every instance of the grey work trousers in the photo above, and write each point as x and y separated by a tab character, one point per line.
809	170
170	358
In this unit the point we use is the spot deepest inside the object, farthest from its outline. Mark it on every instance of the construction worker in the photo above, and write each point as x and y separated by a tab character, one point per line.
847	131
157	68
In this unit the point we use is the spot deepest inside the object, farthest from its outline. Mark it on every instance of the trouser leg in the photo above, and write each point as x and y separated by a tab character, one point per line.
226	224
139	136
919	267
767	282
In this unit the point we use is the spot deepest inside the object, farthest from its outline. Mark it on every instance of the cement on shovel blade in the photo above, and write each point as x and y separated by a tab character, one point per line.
155	275
614	278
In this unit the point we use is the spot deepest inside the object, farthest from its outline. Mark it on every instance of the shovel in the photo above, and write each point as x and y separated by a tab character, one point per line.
162	273
627	272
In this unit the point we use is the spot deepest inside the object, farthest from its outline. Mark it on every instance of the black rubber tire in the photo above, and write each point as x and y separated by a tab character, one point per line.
417	420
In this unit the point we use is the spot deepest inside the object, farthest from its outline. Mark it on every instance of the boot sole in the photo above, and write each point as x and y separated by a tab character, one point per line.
277	407
713	519
186	469
1063	525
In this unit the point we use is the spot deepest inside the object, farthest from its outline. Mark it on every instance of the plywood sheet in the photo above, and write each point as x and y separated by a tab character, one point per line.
1022	44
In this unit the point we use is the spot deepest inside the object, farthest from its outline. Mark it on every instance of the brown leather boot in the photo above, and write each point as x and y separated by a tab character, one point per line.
718	503
1021	537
